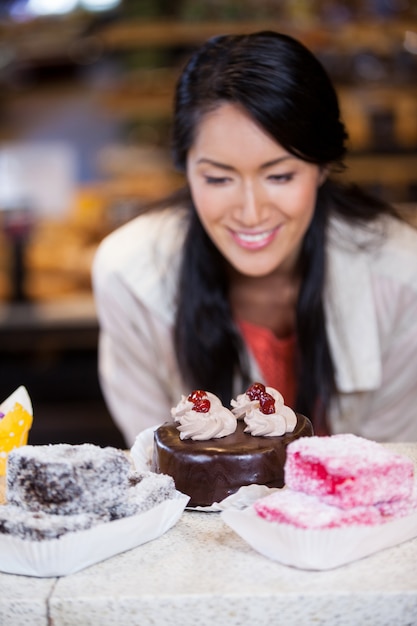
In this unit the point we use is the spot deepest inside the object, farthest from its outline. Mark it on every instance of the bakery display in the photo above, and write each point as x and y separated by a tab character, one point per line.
211	451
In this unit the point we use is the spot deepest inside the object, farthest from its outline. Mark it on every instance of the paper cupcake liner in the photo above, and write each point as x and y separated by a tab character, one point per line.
317	549
75	551
142	450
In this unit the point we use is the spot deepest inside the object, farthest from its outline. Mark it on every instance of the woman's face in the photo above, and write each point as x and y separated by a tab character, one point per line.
254	199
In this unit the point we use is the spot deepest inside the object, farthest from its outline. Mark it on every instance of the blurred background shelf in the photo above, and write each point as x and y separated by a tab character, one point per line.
51	348
378	35
101	84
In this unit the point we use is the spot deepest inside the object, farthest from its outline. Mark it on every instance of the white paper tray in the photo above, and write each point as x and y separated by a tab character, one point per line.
77	550
317	549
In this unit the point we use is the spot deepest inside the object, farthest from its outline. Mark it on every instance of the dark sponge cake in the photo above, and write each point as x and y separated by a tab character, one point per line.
37	526
58	489
209	471
65	479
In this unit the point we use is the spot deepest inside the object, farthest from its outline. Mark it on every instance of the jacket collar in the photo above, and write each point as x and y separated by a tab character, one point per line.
155	241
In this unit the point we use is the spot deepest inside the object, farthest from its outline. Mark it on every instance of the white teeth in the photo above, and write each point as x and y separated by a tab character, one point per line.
252	238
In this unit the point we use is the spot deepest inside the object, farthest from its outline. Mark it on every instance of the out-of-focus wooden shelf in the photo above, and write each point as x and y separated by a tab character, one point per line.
391	175
388	169
75	311
64	324
134	34
47	37
376	35
51	348
358	105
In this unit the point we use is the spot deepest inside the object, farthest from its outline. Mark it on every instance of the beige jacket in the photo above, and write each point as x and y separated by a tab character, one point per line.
371	316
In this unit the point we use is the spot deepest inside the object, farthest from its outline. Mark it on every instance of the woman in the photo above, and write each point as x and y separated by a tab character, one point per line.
263	268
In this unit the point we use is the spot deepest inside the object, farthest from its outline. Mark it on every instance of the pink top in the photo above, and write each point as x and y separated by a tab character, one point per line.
275	358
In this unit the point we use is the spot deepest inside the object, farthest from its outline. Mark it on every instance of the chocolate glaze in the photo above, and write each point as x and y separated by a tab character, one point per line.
209	471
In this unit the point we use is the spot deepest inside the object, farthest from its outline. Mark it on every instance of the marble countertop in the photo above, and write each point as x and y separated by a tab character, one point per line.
200	572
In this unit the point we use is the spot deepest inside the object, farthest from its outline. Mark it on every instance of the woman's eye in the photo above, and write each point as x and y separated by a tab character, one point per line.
216	180
281	178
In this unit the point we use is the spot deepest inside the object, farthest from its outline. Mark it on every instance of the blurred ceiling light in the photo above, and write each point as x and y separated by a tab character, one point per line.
99	5
51	7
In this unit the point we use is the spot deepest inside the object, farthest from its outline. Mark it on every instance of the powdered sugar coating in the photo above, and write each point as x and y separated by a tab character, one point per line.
142	493
38	526
65	479
348	471
400	508
304	511
145	491
138	493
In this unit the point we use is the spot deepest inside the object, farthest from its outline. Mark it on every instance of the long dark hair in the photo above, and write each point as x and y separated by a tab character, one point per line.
286	90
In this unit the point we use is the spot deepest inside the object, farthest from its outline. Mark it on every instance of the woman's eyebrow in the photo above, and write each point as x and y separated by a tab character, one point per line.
265	166
230	168
216	164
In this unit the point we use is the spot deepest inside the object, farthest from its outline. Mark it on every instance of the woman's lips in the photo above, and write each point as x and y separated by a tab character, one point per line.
254	240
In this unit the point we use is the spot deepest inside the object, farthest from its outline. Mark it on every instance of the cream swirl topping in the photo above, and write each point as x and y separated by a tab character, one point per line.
270	419
212	421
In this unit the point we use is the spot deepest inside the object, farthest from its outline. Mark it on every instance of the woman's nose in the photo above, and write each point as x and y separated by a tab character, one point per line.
251	205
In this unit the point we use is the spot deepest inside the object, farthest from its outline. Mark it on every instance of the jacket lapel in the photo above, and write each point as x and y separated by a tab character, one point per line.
351	319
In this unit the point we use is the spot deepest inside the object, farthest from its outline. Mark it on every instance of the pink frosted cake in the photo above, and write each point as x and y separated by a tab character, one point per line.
348	471
341	480
361	499
303	511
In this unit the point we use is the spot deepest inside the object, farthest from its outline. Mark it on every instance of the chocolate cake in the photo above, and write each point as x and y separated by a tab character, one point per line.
209	471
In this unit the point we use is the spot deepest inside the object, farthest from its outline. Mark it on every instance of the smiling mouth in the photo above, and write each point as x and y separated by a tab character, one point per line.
254	240
254	237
